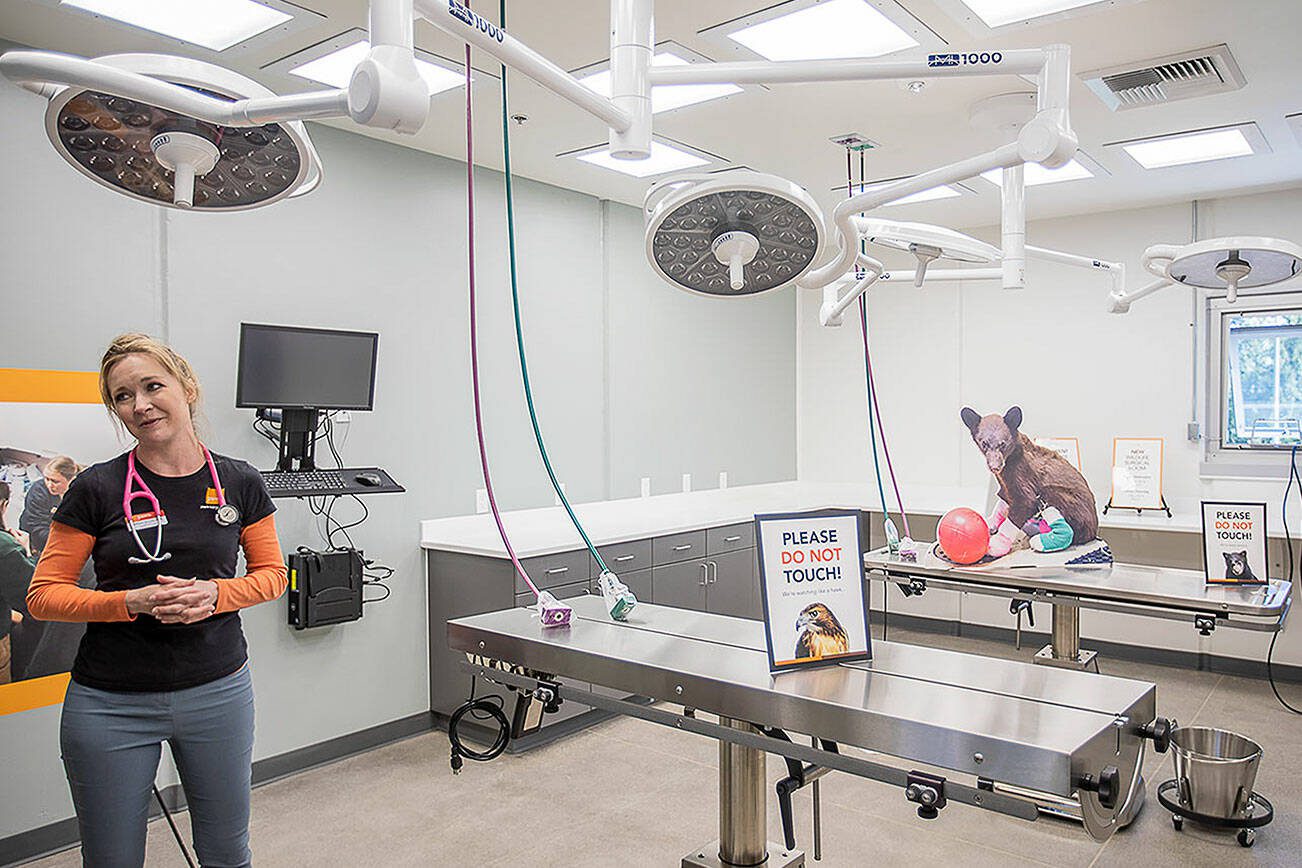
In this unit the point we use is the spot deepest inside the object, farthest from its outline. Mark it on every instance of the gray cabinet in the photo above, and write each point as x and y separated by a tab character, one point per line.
638	581
733	588
682	585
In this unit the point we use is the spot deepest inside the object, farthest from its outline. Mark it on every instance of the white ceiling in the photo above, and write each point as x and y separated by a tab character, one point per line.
785	129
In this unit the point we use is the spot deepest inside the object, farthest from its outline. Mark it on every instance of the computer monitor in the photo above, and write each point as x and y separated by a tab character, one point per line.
300	368
303	371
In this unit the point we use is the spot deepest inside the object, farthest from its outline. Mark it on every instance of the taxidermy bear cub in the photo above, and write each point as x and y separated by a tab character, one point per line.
1237	568
1033	481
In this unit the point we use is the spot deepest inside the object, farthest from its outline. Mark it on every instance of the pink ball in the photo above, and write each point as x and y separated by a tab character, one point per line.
963	535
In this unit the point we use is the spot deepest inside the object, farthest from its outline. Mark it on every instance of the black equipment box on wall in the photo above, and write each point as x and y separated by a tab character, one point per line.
324	588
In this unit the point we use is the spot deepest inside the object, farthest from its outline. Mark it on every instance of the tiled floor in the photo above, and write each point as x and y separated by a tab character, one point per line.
630	793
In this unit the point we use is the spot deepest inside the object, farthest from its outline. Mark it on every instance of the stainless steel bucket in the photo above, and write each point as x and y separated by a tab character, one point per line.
1216	770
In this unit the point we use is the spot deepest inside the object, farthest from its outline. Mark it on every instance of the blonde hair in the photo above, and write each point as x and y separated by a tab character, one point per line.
135	342
64	466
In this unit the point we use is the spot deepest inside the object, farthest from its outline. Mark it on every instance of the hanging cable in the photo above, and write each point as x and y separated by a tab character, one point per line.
1293	476
515	307
474	340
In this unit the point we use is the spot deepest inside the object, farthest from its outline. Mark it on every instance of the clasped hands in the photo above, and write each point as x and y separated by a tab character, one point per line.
174	600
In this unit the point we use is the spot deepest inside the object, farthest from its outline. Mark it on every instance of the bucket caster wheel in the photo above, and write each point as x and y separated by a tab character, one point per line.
1178	822
1247	837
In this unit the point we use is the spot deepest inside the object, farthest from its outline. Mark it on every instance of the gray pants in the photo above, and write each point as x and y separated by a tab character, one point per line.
111	746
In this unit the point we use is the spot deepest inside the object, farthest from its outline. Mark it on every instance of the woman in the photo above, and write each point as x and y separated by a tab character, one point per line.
44	497
15	574
163	656
38	648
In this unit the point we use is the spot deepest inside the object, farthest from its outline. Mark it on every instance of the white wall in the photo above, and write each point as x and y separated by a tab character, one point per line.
1075	369
382	246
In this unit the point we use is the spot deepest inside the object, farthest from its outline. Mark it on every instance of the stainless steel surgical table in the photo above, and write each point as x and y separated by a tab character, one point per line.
983	731
1131	589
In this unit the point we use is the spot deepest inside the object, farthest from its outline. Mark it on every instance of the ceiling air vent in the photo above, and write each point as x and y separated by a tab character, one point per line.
1166	79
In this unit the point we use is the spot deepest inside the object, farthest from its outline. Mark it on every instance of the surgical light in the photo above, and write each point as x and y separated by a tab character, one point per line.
926	243
835	28
214	24
336	68
742	233
665	99
664	158
165	158
1231	263
1192	148
997	13
1037	174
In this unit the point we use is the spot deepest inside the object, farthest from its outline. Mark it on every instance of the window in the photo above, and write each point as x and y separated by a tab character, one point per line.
1263	362
1254	382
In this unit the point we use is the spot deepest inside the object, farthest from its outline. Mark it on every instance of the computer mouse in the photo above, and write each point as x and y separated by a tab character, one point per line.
369	478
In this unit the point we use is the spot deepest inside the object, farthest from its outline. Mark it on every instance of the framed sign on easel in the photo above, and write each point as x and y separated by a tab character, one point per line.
811	583
1137	475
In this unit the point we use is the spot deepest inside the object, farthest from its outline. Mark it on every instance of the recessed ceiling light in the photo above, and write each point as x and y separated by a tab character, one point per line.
336	68
664	158
214	24
944	191
1187	148
835	28
666	98
996	13
1036	174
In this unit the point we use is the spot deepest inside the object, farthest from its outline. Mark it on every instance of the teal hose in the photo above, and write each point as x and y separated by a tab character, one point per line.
515	306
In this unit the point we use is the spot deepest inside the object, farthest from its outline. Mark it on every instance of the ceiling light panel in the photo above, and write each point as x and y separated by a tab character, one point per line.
1036	175
213	24
332	62
664	158
665	98
997	13
1198	146
336	69
823	29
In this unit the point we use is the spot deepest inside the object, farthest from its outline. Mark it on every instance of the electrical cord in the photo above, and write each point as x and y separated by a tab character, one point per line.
176	833
486	708
1293	476
519	328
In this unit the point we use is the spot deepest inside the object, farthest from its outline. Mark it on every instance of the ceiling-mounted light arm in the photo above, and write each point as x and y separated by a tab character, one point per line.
1013	226
1119	300
47	73
1115	270
868	270
466	25
843	218
1021	61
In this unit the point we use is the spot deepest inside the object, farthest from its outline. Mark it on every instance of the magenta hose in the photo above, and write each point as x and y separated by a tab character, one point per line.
886	450
474	340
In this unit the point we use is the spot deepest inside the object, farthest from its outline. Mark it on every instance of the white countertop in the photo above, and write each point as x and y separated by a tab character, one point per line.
546	531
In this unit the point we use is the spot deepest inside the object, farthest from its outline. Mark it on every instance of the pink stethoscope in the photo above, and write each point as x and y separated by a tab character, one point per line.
226	514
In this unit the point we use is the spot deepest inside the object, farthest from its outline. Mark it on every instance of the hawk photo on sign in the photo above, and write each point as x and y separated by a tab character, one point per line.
819	634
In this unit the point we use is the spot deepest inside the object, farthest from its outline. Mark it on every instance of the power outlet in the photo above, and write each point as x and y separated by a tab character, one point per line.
343	417
723	479
687	483
481	500
646	486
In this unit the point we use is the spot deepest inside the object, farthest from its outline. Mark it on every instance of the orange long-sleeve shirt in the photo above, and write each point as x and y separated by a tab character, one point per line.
55	596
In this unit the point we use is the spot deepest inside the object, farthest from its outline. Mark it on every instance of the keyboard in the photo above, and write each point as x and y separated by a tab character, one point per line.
324	483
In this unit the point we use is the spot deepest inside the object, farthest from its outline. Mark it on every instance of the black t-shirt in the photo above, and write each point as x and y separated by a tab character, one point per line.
145	655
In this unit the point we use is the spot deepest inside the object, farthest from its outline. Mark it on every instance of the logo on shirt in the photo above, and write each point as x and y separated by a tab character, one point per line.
210	498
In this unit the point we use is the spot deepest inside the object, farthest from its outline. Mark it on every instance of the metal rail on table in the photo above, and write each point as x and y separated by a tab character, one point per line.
989	722
1128	589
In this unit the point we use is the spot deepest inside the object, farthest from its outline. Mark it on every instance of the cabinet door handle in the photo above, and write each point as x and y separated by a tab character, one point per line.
705	575
682	548
622	558
556	571
714	575
732	538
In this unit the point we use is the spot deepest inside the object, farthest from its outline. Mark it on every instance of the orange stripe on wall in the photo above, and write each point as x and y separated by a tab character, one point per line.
36	693
27	385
